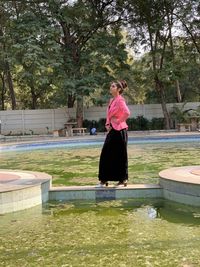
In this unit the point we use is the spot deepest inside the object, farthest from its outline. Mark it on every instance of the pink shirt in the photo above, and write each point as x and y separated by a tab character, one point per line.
117	113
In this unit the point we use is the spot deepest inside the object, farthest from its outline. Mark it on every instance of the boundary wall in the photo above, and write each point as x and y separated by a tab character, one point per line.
44	121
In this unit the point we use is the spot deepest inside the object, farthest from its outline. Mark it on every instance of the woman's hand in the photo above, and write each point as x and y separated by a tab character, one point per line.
108	128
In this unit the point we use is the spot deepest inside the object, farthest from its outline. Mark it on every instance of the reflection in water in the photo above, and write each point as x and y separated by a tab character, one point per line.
177	213
108	233
153	213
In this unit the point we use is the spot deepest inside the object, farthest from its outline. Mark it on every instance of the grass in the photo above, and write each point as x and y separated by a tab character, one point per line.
80	166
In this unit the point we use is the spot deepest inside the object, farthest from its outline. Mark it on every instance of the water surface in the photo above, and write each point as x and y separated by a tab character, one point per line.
114	233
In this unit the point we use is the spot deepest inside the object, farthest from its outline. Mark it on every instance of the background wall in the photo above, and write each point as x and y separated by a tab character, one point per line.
43	121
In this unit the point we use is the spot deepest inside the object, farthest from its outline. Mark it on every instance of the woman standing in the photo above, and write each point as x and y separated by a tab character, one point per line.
113	165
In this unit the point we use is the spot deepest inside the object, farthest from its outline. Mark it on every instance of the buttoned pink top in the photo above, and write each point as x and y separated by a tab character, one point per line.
117	113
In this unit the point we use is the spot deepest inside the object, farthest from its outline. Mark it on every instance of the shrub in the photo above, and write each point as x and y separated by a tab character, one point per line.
142	122
139	123
132	124
88	124
157	124
101	125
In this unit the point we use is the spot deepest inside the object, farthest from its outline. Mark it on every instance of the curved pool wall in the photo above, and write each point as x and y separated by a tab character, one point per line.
21	190
94	141
181	184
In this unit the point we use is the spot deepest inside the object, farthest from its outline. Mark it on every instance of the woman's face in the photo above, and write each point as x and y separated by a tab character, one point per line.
114	90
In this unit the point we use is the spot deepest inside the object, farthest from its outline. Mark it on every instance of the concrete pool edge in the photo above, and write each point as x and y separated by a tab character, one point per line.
106	193
181	184
24	189
20	190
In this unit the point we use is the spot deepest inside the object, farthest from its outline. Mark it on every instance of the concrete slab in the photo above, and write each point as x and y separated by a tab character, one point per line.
105	193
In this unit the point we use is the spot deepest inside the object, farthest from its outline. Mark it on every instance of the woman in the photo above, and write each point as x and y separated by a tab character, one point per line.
113	165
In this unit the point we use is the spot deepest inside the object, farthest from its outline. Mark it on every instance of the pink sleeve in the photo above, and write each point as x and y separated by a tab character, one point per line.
125	110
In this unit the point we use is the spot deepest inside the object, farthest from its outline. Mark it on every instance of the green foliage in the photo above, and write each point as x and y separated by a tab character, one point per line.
99	125
58	52
157	124
180	114
139	123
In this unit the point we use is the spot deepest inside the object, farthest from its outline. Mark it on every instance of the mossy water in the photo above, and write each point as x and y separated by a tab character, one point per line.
79	166
116	233
133	233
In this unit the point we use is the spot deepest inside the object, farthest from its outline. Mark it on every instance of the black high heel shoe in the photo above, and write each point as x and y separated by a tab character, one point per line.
102	184
124	183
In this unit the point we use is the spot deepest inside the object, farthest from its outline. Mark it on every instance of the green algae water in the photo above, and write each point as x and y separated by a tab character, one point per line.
112	233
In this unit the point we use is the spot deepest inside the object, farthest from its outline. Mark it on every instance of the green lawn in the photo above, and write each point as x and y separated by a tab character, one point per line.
80	166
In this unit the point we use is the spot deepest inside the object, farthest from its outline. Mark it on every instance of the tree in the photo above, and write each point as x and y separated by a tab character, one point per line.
188	14
34	62
78	23
149	21
60	52
6	54
152	24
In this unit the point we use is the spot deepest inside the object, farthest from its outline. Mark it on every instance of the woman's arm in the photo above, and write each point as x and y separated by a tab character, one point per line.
124	110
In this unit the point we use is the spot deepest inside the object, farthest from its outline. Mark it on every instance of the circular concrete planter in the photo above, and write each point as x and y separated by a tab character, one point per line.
22	189
181	184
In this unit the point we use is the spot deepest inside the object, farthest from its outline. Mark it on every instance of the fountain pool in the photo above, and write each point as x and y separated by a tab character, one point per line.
127	233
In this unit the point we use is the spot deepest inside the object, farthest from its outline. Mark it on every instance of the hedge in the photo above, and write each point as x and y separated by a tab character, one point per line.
139	123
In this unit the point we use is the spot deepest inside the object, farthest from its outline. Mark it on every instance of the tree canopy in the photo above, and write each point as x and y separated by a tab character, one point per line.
56	53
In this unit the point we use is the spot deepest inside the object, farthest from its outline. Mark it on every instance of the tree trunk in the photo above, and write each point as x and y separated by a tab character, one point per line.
193	37
70	100
71	45
170	24
158	83
3	91
178	92
34	98
79	111
10	86
160	90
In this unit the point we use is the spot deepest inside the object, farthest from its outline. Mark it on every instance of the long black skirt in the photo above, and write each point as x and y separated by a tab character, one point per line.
113	164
